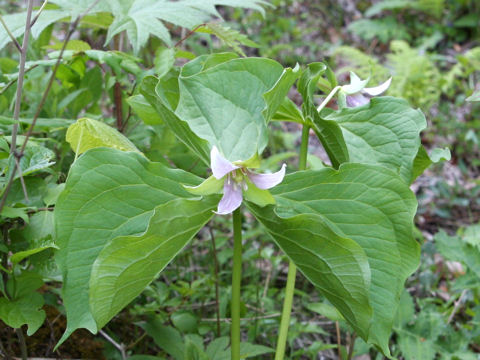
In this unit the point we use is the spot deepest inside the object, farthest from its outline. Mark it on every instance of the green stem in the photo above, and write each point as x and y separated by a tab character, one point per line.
328	98
236	282
292	269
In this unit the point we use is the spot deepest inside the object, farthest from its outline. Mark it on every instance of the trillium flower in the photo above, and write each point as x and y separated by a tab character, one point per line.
356	92
237	181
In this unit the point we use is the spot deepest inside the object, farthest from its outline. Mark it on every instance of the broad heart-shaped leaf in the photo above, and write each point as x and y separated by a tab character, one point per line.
127	264
372	206
156	98
86	134
336	265
108	193
223	103
385	131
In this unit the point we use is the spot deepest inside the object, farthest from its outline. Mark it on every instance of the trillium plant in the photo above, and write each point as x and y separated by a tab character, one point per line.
347	226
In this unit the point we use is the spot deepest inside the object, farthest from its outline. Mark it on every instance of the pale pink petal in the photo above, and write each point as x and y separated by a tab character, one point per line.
267	181
357	100
377	90
220	165
232	197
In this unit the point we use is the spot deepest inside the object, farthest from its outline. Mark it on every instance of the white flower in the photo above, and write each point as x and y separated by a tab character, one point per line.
356	92
237	181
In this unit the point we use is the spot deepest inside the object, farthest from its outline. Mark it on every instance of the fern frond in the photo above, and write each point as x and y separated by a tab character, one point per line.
416	78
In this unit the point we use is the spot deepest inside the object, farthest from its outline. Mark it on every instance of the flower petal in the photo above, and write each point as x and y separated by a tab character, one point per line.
232	198
357	100
267	181
356	84
220	165
377	90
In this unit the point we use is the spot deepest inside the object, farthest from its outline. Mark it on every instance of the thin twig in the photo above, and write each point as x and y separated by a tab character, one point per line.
73	26
38	13
12	37
21	76
457	306
228	320
189	34
351	346
217	296
22	180
339	340
119	347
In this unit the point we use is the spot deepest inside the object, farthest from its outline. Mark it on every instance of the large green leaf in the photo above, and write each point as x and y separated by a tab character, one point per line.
108	193
385	131
336	265
423	160
223	102
127	264
153	92
372	206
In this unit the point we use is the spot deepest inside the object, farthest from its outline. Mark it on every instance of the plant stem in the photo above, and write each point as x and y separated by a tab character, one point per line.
236	282
351	346
23	344
328	98
292	269
339	340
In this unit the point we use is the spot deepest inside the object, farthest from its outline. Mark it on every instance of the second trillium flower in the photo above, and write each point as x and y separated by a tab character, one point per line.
237	182
356	92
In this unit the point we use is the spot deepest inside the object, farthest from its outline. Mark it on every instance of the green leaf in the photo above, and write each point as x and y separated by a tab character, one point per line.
141	18
88	134
44	245
235	123
208	187
423	160
166	337
164	60
474	97
328	132
34	159
326	259
127	264
12	213
108	194
16	24
385	131
144	110
25	305
288	111
277	95
326	310
455	249
228	36
373	207
154	94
